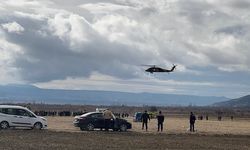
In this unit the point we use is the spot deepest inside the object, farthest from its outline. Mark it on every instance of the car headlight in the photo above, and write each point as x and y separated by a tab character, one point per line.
44	119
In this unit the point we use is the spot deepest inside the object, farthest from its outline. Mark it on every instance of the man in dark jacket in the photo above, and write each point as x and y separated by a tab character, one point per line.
145	118
160	119
192	121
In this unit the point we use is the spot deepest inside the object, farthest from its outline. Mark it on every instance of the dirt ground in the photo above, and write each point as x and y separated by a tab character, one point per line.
62	135
101	140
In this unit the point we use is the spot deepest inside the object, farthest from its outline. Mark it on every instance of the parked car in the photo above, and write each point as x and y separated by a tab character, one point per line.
18	116
95	120
137	117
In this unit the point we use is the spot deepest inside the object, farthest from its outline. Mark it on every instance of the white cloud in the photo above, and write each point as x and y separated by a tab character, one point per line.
104	8
30	15
148	84
72	28
233	68
116	27
8	51
13	27
62	40
107	83
25	3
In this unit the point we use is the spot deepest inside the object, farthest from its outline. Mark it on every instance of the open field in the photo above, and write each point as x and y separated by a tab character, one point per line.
172	125
62	135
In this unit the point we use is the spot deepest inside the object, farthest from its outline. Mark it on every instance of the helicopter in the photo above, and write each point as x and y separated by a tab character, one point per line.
154	68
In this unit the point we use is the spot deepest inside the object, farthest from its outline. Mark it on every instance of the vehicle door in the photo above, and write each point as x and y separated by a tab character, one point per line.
23	118
8	115
98	120
12	117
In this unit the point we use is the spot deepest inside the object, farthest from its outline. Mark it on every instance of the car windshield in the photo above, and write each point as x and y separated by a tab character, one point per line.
138	114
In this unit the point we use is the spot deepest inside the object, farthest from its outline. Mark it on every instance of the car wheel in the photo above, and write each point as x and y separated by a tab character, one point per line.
82	128
4	125
90	127
38	126
123	128
115	129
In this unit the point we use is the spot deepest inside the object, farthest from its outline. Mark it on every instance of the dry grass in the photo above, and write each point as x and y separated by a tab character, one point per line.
62	135
181	125
173	125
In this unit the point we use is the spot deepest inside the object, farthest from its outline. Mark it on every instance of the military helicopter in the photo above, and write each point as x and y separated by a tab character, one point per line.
154	68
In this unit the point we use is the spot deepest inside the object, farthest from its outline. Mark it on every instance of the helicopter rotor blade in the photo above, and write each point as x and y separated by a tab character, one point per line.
148	65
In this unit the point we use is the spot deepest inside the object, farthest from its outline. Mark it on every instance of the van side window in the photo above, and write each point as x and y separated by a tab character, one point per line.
11	111
22	112
18	112
8	111
4	111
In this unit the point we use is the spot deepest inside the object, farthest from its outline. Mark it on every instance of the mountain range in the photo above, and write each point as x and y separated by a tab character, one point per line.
238	102
32	94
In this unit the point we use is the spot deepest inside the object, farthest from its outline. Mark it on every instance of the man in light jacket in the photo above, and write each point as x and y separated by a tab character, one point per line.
108	115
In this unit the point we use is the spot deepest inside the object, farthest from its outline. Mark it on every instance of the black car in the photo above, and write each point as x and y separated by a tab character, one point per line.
95	120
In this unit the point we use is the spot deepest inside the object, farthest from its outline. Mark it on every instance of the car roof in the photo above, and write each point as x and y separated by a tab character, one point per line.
12	106
89	113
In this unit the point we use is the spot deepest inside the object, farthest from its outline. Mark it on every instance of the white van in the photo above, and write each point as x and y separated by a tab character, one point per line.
18	116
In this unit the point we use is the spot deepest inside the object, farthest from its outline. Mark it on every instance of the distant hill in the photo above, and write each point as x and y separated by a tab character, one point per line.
238	102
32	94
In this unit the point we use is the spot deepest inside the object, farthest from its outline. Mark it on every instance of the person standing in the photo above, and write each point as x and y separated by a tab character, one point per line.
145	118
192	119
108	115
160	119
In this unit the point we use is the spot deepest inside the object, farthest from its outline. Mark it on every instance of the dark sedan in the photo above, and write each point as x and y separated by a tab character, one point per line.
95	120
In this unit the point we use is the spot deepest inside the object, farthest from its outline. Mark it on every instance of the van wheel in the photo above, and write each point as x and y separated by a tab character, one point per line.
4	125
123	128
38	126
90	127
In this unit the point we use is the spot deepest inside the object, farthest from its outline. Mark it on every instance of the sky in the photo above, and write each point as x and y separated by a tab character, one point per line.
103	45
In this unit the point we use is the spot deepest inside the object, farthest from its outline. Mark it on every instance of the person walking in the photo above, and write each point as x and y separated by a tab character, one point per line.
145	118
108	115
160	119
192	119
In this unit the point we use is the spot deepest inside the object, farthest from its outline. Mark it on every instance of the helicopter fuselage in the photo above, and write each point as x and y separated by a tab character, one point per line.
158	69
